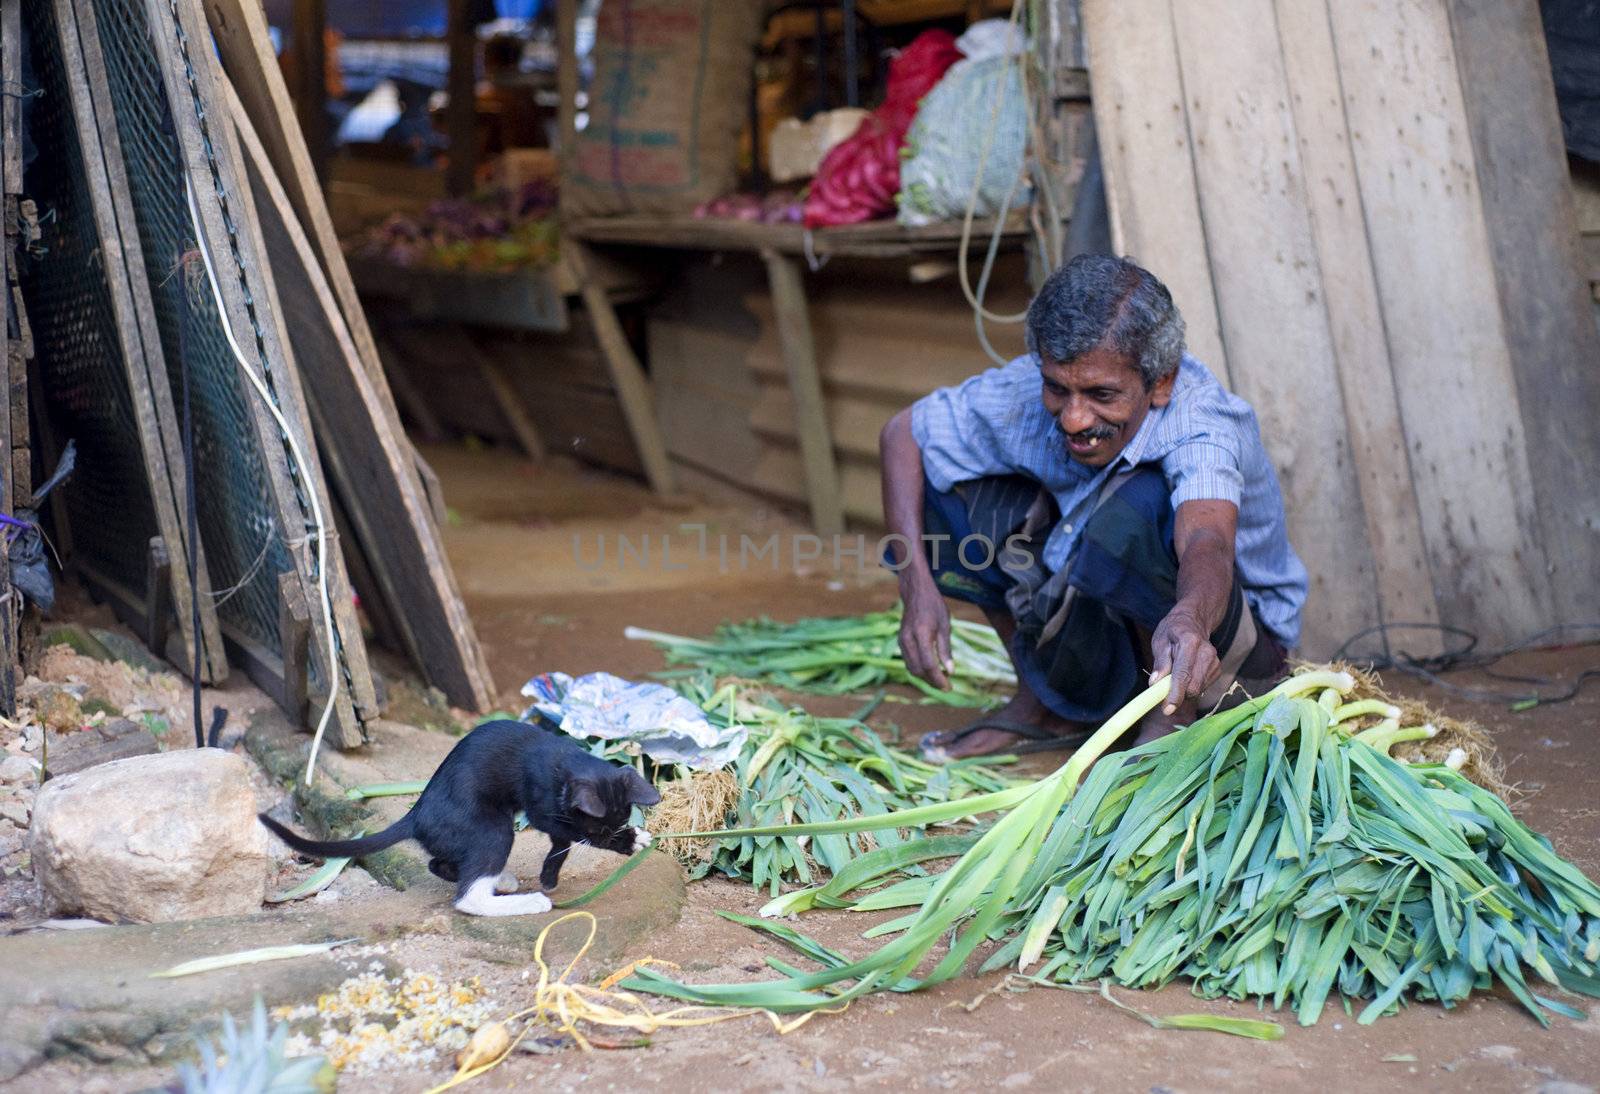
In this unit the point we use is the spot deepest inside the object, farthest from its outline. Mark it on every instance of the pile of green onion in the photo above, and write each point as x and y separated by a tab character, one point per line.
842	656
799	767
1265	851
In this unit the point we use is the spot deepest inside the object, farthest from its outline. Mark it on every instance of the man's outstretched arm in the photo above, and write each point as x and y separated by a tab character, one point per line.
925	626
1203	536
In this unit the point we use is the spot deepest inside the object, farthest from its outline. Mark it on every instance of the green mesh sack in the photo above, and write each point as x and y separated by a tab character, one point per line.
946	142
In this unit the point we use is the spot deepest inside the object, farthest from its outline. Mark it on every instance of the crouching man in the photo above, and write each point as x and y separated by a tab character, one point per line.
1109	506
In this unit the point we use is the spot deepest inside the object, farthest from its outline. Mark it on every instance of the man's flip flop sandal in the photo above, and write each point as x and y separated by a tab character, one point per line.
934	746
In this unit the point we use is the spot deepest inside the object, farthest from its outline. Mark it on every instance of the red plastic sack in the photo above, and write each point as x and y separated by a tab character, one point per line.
860	176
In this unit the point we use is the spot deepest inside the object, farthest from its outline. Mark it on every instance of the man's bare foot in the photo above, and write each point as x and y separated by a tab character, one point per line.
1024	709
1158	724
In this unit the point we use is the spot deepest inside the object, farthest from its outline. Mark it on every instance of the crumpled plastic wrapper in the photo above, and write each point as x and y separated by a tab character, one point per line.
666	727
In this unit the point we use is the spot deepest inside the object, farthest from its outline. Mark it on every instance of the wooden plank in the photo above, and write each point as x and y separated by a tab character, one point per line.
308	27
1554	347
507	399
143	364
372	466
526	300
633	387
1148	159
880	239
854	423
239	29
158	597
209	150
11	103
1434	267
294	638
394	367
10	353
10	69
1253	206
1356	321
811	420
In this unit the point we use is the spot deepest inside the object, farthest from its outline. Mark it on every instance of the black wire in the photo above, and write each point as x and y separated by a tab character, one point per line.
1466	656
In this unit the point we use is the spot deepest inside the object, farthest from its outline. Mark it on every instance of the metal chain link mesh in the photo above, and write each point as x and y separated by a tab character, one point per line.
108	500
237	510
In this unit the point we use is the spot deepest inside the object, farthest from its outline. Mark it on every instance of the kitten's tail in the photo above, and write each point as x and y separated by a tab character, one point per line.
345	848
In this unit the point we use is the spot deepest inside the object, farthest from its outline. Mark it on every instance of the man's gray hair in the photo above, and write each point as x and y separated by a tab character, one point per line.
1103	301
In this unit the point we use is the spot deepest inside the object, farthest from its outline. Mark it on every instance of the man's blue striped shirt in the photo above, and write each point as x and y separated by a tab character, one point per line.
1206	441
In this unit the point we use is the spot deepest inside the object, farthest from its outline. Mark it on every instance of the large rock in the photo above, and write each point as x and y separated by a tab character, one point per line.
151	839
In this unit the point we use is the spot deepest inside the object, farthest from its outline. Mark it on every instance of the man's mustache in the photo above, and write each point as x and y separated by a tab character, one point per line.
1094	433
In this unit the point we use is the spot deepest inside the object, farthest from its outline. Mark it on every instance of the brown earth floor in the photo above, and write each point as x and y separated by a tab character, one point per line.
1044	1039
537	610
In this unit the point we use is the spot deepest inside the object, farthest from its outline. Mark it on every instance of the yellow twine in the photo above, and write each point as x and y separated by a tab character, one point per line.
560	1005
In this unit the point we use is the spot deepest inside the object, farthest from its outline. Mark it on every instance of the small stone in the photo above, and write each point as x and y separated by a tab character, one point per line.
16	811
1499	1052
18	769
152	839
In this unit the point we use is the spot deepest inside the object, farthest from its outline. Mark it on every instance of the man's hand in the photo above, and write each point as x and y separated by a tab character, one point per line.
925	634
1182	647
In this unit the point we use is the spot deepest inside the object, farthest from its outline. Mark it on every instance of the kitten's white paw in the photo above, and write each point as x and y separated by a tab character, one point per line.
532	903
507	882
480	899
641	839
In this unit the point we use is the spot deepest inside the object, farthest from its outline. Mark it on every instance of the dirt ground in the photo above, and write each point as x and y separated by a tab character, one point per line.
537	610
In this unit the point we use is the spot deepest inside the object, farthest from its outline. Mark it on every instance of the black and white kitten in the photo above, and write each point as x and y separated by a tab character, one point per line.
464	818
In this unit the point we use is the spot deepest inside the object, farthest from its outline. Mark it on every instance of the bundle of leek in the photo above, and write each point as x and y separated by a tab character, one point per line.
1263	851
798	767
843	655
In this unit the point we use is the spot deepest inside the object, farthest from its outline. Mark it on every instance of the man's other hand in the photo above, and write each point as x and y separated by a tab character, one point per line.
925	635
1182	647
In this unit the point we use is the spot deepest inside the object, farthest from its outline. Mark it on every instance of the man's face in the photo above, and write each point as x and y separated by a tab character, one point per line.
1099	401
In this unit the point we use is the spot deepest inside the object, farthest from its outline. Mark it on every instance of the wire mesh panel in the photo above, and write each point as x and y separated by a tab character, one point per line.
96	366
254	503
108	501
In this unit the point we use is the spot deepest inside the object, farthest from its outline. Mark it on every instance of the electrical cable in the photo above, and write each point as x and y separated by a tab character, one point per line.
1466	657
980	312
320	523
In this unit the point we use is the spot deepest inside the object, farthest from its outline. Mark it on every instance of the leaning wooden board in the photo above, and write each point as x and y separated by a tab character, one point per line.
369	462
1255	209
1393	523
1147	158
1350	171
1448	349
214	166
140	342
239	30
1543	279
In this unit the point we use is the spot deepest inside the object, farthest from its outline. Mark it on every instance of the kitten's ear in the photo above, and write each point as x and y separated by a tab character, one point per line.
640	792
586	799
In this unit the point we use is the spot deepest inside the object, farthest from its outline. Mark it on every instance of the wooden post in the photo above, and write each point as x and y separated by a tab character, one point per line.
158	597
567	74
461	116
307	35
627	375
805	385
294	634
505	396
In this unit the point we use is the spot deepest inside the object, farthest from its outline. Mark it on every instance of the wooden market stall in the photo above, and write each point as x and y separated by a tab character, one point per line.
759	359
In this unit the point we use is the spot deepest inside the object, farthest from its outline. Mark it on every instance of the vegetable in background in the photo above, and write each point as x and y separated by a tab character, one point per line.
842	655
